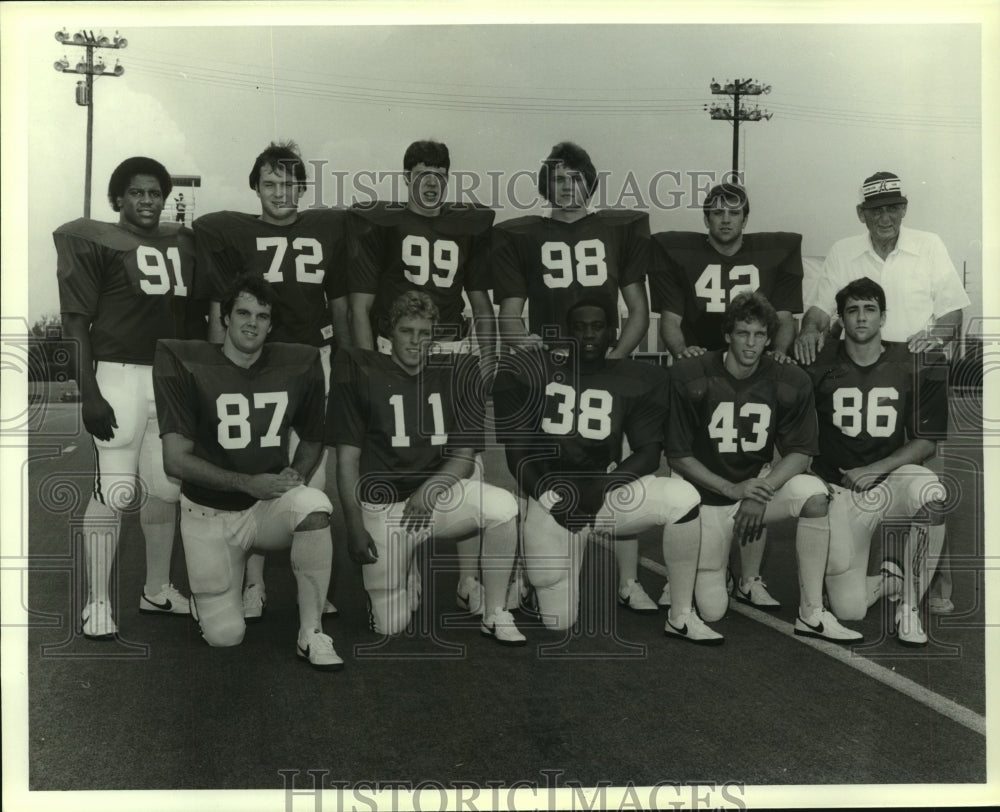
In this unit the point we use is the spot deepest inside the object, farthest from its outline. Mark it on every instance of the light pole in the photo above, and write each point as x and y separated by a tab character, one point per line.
736	114
85	88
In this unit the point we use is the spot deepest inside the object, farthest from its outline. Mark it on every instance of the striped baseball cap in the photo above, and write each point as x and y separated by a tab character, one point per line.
881	189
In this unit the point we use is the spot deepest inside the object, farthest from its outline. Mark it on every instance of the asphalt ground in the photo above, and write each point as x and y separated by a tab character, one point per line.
614	701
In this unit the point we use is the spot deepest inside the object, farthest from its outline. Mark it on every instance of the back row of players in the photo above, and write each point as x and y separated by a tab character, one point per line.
407	426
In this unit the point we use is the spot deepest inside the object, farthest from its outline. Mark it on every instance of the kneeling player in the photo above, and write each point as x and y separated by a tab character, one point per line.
225	413
729	409
407	426
563	417
880	412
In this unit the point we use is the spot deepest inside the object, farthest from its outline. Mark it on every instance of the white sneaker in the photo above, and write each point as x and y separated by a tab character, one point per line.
755	594
908	628
98	624
892	580
317	649
254	602
693	629
168	601
470	595
939	605
665	596
823	625
634	597
501	627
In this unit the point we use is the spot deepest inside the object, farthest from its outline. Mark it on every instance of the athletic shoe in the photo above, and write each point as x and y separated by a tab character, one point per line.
254	602
318	650
892	579
694	630
823	625
414	586
940	606
330	609
167	602
908	628
98	624
634	597
474	598
756	595
665	596
501	627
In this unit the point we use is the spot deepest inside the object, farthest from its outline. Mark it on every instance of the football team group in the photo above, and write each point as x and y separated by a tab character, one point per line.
223	368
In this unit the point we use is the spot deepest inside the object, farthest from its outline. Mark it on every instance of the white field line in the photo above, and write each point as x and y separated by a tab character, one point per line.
907	687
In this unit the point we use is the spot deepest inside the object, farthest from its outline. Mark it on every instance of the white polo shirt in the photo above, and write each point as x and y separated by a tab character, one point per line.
918	277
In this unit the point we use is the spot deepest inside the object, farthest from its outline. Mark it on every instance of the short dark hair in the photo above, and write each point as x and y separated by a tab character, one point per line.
591	301
750	306
428	153
131	167
413	303
732	196
571	156
256	286
863	289
282	155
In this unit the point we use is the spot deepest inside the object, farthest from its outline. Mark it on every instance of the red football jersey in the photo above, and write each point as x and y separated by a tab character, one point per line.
136	288
733	425
405	425
690	278
580	416
304	261
553	265
394	250
238	418
867	413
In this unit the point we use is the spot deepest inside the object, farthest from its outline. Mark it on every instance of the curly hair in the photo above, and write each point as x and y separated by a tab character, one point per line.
131	167
749	306
412	304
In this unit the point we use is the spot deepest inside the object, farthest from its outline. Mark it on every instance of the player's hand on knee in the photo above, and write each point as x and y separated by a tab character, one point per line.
293	474
419	508
748	524
270	486
808	344
691	352
861	478
361	547
755	488
98	417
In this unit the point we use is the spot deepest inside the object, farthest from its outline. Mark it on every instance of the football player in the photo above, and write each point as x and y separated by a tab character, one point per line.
881	409
407	426
302	254
563	417
550	263
692	279
121	287
729	410
226	413
440	249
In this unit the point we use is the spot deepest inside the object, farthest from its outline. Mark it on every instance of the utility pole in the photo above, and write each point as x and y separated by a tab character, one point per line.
737	113
85	88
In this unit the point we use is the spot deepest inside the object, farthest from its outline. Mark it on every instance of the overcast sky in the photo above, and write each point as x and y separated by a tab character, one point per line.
847	100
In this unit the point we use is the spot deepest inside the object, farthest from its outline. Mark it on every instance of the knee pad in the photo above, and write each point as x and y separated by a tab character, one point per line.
303	500
847	591
849	538
388	610
673	499
221	618
710	594
558	604
209	560
498	506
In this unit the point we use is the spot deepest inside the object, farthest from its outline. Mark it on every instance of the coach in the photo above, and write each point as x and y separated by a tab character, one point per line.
923	292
